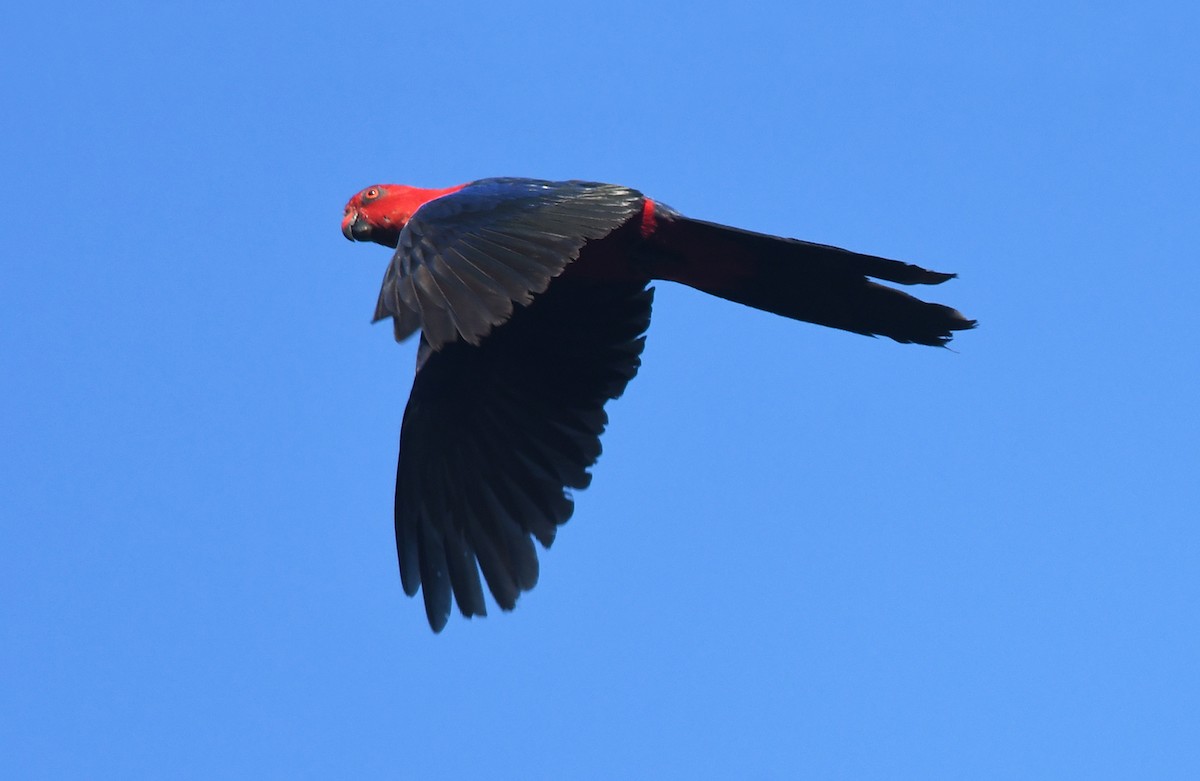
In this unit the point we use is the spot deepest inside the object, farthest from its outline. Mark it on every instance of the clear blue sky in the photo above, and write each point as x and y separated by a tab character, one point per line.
805	554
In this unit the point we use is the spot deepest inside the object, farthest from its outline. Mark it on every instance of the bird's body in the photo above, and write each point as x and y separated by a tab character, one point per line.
531	298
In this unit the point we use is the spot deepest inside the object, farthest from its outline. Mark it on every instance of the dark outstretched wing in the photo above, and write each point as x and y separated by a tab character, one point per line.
494	436
466	258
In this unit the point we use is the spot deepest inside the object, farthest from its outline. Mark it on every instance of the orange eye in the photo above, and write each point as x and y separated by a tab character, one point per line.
371	193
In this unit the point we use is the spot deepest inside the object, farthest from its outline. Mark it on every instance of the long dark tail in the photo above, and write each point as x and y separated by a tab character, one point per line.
812	282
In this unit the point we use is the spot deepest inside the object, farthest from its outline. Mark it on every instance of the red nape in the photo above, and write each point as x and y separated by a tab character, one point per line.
403	201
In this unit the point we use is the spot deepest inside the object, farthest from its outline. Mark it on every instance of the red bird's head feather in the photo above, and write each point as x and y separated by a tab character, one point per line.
381	211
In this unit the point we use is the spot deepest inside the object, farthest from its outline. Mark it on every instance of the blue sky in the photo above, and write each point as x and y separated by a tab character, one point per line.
805	553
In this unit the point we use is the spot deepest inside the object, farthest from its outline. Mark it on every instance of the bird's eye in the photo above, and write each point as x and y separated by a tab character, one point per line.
371	193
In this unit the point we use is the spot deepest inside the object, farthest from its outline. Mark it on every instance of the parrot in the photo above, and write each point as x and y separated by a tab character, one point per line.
532	298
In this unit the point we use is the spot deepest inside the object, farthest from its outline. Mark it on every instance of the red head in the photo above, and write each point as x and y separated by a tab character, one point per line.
380	212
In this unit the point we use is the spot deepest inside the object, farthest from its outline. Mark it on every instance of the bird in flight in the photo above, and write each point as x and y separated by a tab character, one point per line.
531	298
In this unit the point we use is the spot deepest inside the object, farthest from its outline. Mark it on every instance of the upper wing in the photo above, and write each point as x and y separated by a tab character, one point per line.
464	259
494	435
